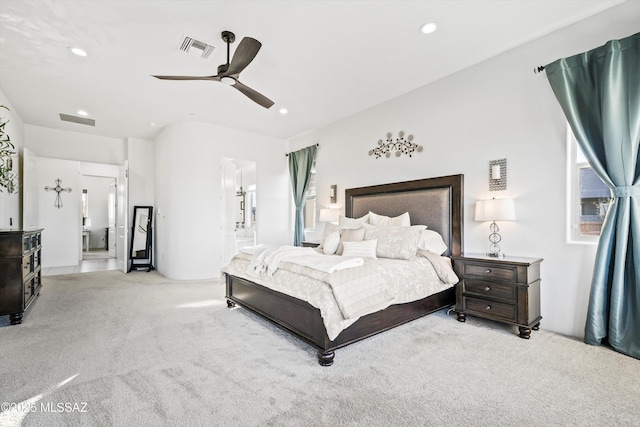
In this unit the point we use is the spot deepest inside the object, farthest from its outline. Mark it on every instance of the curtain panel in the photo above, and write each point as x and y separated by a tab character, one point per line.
599	92
300	164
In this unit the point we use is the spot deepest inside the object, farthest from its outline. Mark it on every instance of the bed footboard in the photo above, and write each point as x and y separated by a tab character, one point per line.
305	322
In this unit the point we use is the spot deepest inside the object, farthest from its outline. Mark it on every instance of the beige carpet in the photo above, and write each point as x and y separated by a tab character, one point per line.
106	348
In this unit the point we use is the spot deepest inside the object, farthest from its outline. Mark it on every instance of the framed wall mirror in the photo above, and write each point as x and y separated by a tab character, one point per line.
140	250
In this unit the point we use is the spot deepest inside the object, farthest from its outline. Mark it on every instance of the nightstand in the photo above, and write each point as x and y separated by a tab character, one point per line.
310	244
501	289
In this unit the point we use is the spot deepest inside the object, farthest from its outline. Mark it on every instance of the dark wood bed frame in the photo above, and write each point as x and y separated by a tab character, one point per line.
435	202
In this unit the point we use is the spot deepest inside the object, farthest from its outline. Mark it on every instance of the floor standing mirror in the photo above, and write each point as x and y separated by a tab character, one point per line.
140	251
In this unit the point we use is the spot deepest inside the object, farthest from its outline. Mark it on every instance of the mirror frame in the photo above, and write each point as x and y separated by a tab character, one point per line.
138	213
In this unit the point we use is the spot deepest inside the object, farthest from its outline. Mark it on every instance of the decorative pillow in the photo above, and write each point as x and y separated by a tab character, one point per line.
442	266
350	235
432	241
328	229
345	222
364	249
330	243
395	242
399	221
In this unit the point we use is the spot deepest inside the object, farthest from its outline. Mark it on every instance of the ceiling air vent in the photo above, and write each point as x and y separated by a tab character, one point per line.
76	119
195	47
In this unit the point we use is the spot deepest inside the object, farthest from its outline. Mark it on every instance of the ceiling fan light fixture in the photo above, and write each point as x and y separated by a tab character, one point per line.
228	80
77	51
429	27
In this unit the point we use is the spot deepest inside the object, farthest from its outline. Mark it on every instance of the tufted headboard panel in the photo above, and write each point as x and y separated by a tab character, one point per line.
434	202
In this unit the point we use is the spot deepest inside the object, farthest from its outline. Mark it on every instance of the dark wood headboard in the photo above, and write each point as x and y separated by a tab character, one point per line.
437	203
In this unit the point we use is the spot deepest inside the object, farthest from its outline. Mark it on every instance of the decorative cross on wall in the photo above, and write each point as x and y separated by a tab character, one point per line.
58	189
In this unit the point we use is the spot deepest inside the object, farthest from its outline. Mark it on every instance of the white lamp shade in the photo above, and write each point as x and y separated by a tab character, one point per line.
329	215
495	210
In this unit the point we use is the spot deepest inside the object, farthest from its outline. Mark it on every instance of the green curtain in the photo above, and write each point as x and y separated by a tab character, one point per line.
300	164
599	92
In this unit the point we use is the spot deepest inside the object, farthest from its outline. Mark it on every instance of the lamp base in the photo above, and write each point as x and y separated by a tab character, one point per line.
495	254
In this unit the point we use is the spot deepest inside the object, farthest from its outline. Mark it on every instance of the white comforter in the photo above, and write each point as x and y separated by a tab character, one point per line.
402	281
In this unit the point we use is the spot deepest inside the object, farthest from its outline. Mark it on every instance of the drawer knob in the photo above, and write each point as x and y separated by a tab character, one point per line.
487	271
487	288
488	307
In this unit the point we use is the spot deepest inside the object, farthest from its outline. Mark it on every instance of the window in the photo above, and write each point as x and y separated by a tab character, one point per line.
310	204
588	197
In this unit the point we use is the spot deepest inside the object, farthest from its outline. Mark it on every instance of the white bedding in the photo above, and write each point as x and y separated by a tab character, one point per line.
406	281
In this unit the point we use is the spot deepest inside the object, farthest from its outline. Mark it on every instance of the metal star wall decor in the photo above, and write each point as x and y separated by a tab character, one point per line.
58	189
400	145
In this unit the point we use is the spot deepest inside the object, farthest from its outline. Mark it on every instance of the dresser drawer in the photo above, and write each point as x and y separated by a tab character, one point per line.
506	293
490	272
27	266
491	309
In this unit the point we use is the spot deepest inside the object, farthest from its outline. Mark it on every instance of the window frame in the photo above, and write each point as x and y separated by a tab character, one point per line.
574	166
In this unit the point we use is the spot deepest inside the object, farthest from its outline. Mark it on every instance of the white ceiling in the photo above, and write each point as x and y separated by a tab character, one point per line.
321	60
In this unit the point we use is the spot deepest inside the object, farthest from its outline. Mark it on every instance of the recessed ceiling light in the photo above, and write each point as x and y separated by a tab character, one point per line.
78	51
283	111
82	113
152	124
429	27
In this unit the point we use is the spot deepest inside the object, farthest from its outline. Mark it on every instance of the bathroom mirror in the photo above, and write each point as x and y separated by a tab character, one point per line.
141	233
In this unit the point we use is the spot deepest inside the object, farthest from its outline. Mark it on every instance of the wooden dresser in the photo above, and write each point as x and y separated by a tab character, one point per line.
501	289
20	265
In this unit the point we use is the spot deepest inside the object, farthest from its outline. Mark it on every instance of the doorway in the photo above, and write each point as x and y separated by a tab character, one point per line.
99	220
239	207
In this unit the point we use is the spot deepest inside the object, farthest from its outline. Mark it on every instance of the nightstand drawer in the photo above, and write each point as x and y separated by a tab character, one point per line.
506	293
489	271
490	309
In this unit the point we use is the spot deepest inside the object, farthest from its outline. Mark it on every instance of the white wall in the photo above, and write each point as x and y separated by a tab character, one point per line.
141	157
188	193
497	109
11	204
62	226
63	144
141	160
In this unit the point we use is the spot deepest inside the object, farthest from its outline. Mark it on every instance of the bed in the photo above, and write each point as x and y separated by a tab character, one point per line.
434	202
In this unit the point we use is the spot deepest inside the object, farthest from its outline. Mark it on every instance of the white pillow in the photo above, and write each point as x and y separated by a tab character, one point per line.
330	243
399	221
442	266
432	241
350	235
345	222
395	242
328	229
363	249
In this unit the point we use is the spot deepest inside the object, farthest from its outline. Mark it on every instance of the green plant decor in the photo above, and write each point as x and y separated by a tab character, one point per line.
7	175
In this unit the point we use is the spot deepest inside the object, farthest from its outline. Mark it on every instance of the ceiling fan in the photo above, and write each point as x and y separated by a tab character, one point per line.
228	73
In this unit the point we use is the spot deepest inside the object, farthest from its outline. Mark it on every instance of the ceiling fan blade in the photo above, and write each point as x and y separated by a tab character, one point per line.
215	78
244	54
253	95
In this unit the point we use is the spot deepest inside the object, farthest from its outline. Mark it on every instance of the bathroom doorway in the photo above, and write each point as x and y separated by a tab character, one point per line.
98	218
239	207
